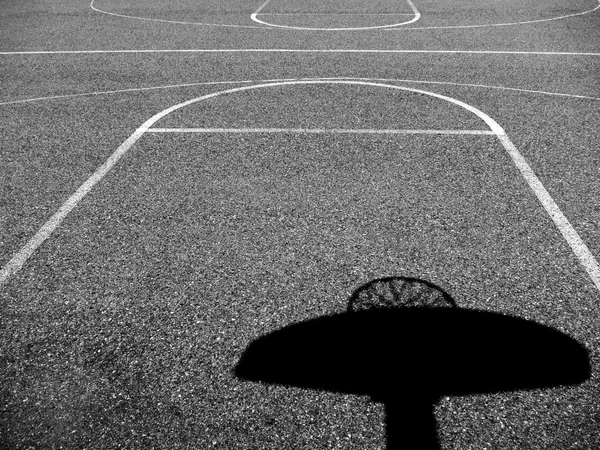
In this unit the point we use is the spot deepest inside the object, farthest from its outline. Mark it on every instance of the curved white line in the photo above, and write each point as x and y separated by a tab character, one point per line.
395	27
384	80
177	22
577	245
526	22
254	17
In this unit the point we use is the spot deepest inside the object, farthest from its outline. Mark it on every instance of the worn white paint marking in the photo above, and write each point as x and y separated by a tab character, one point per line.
505	24
581	251
583	254
486	86
386	80
254	16
122	91
176	22
298	50
314	131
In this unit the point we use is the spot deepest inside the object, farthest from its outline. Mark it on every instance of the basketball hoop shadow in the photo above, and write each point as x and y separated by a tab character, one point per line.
405	343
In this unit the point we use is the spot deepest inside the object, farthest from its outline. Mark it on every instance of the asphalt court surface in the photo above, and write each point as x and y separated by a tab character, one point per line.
254	209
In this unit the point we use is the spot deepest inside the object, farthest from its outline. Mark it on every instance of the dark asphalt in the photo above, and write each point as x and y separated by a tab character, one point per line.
124	327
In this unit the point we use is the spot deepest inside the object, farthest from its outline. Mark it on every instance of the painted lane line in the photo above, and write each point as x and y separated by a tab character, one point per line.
254	16
581	251
176	22
506	24
292	50
386	80
315	131
20	258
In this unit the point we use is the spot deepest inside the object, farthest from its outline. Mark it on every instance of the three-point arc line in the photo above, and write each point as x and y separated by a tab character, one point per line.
579	248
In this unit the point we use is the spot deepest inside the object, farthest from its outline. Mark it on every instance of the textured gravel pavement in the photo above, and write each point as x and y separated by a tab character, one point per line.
123	328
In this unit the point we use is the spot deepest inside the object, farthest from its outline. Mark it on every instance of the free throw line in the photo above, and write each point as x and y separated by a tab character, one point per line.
313	131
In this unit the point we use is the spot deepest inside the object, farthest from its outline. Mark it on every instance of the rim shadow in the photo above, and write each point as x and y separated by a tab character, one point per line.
405	343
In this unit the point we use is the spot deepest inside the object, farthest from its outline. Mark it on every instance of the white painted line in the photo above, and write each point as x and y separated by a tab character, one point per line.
583	254
486	86
415	11
260	8
505	24
385	80
314	131
176	22
581	251
254	16
336	14
297	50
19	259
273	27
121	91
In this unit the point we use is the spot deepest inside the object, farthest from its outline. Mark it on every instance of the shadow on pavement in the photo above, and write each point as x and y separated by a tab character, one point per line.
405	343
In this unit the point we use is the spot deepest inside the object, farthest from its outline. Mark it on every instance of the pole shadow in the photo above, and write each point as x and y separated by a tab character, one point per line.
405	343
